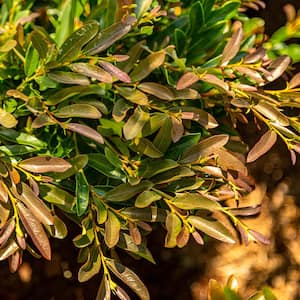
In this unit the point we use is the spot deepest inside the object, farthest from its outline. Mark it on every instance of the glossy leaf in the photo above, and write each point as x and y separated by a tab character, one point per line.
85	131
129	278
147	214
135	124
147	65
57	196
115	71
120	110
133	95
295	81
215	291
31	60
148	169
68	77
144	146
91	267
183	237
104	39
22	138
104	292
82	193
278	66
73	44
233	46
35	231
42	164
78	110
195	201
146	198
125	191
91	71
112	230
142	6
204	148
173	226
59	229
39	43
9	249
212	228
264	144
187	80
36	205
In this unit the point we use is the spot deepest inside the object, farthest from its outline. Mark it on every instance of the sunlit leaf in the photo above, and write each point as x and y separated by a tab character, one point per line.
82	193
112	230
233	46
147	65
42	164
135	124
7	119
133	95
204	148
146	198
35	231
92	71
173	226
104	292
85	131
78	110
91	267
129	278
115	71
187	80
68	77
38	208
212	228
264	144
125	191
104	39
195	201
9	249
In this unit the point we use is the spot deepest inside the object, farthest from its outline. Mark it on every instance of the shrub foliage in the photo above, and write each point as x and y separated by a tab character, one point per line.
122	114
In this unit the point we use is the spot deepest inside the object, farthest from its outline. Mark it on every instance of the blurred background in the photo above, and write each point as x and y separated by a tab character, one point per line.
184	273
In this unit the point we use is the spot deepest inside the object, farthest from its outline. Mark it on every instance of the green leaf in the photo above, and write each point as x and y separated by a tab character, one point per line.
196	17
8	45
82	193
7	120
68	78
133	95
31	61
129	278
126	243
92	72
186	142
39	43
212	228
77	162
215	291
195	201
163	138
147	214
141	7
146	198
135	124
149	167
66	93
120	110
173	226
57	196
147	65
67	18
112	230
125	191
174	174
104	39
78	110
73	44
59	229
101	211
144	146
100	163
204	148
91	267
42	164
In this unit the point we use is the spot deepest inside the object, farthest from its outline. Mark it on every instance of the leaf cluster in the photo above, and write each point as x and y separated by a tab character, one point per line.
123	114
